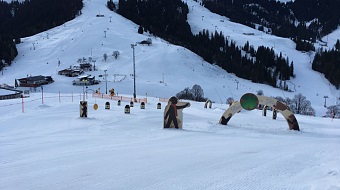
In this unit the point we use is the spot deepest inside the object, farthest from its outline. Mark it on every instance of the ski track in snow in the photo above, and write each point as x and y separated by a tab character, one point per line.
113	150
48	146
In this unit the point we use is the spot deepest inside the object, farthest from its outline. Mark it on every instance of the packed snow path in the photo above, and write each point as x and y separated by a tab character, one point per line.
50	147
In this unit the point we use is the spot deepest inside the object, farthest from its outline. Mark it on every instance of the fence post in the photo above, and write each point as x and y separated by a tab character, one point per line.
42	95
22	102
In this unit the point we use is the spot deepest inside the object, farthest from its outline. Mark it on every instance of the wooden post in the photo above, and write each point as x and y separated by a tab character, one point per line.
22	103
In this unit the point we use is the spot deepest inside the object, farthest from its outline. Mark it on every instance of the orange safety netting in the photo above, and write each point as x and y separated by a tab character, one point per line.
121	98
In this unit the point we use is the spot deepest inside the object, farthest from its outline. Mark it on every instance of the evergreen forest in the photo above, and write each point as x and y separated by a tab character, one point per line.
298	20
328	63
168	20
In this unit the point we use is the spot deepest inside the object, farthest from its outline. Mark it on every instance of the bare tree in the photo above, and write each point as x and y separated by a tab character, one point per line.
279	98
260	93
185	94
300	105
333	111
197	92
288	101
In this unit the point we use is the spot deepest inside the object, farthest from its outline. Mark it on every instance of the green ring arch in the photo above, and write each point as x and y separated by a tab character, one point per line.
281	107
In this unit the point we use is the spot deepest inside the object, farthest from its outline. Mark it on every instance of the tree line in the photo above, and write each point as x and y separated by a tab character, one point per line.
8	50
195	93
328	63
299	19
22	19
259	65
168	20
298	104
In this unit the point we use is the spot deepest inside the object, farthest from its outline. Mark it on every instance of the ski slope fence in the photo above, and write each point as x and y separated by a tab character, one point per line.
44	99
163	99
121	98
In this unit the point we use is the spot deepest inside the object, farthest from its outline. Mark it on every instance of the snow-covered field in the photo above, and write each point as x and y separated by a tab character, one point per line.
50	147
44	144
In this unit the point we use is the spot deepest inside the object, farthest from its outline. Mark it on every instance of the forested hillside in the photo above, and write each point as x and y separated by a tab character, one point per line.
22	19
299	19
303	21
328	63
168	20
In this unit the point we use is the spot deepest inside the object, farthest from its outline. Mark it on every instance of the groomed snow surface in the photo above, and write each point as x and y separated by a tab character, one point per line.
50	147
44	144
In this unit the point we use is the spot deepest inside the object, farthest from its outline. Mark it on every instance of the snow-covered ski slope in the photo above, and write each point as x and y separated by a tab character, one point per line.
176	66
44	144
50	147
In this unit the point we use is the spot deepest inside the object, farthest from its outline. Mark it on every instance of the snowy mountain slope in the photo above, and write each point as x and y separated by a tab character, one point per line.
44	144
306	79
331	39
178	67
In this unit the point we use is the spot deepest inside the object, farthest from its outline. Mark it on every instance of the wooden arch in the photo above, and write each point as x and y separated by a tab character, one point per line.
281	107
